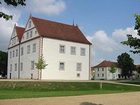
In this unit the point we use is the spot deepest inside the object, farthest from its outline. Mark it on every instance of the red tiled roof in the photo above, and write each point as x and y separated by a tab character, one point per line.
20	31
55	30
107	64
137	66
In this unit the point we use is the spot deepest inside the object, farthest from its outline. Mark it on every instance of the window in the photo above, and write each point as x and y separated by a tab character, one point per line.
29	24
102	69
35	32
16	52
98	75
15	67
73	50
62	49
28	49
30	34
61	66
10	67
79	66
10	54
102	75
82	52
22	51
13	53
21	66
32	65
34	47
78	74
98	69
27	36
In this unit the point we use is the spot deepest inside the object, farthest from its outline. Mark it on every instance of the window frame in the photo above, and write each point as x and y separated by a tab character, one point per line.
62	49
60	66
73	50
79	66
82	51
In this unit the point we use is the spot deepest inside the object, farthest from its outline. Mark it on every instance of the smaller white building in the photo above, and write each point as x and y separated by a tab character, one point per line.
102	71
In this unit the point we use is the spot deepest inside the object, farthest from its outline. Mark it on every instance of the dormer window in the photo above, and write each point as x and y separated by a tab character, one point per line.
29	24
27	35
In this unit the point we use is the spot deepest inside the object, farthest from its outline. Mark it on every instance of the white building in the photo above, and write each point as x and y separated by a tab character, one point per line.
102	71
64	48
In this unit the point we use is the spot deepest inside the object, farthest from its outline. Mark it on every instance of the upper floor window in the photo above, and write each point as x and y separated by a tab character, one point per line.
29	26
98	69
27	35
30	34
13	53
98	75
16	67
62	49
34	47
102	69
35	31
22	50
83	52
79	66
10	54
73	50
32	65
61	66
28	49
16	52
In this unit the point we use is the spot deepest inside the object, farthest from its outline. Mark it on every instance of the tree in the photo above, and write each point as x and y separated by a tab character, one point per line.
126	63
3	63
134	42
14	3
112	70
40	65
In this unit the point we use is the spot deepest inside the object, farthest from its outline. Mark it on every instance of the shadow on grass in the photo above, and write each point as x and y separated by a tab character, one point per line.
89	103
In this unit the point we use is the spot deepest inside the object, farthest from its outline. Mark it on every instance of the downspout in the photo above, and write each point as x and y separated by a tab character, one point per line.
19	62
89	63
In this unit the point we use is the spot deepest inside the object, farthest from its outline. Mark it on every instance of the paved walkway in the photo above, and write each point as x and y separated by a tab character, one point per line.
132	98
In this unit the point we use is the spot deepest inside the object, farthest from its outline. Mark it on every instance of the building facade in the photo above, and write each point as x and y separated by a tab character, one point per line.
102	71
64	48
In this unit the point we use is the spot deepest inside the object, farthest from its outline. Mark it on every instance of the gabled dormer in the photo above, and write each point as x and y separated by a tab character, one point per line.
16	36
30	30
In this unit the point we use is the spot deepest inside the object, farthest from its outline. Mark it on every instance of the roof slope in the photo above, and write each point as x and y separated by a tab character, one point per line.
107	64
55	30
20	31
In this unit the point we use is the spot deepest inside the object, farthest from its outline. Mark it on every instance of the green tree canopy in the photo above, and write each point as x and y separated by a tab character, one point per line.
3	63
112	69
14	3
126	63
134	42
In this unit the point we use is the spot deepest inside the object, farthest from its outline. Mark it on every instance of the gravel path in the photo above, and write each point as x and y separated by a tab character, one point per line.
131	98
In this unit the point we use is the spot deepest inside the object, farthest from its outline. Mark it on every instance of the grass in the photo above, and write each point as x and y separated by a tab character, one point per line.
32	89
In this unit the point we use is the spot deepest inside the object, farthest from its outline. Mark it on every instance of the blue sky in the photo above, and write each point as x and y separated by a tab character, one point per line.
104	22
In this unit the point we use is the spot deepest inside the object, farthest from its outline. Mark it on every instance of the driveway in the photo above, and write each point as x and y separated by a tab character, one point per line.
131	98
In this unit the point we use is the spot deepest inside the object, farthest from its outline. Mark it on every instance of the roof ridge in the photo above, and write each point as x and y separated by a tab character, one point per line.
54	21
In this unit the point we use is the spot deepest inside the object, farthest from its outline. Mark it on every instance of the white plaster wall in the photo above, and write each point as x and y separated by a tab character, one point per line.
13	61
27	58
53	57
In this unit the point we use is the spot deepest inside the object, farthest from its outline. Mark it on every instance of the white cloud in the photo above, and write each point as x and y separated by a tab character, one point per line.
120	34
7	27
49	7
108	47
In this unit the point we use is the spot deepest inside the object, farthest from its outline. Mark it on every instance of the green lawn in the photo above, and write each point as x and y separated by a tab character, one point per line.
18	89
